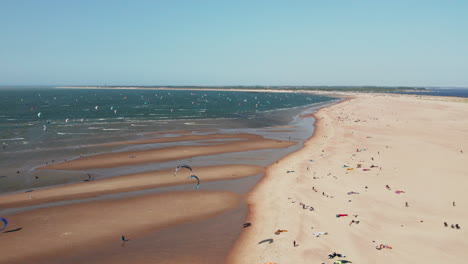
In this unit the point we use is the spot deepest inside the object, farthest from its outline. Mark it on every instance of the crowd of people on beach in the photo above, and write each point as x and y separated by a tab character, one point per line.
353	221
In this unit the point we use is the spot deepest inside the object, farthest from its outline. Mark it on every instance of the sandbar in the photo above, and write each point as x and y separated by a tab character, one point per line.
127	158
127	183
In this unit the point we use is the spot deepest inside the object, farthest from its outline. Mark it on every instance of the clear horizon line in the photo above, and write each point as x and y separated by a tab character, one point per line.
240	86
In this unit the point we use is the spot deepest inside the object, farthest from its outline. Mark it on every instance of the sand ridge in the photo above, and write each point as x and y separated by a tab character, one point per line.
127	183
242	136
127	158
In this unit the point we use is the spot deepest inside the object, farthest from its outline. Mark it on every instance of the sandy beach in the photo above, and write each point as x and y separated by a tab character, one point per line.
392	166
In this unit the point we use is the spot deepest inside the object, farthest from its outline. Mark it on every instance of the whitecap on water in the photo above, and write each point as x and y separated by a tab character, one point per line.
10	139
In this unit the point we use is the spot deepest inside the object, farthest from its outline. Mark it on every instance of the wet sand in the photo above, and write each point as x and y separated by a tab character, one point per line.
414	144
184	138
127	158
80	228
127	183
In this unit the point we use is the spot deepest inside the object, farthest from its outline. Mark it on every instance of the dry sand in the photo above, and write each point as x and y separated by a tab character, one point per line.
127	183
417	144
57	231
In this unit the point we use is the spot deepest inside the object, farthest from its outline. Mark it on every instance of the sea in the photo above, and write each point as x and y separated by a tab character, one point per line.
42	125
452	92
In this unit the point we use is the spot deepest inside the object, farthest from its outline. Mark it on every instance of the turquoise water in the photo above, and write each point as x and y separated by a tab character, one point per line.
33	118
57	105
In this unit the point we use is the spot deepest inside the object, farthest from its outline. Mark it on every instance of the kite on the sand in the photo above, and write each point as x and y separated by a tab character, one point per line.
379	247
334	254
317	234
279	231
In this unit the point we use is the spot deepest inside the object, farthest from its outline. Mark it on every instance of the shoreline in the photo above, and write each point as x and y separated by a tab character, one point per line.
252	215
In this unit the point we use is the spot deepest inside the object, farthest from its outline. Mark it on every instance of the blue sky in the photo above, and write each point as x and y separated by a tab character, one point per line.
327	42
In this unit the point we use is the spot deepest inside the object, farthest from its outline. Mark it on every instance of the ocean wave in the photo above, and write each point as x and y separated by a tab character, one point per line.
112	129
189	116
61	133
11	139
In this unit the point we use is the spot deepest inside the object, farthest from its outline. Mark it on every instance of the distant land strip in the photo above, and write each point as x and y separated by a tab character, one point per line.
367	89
